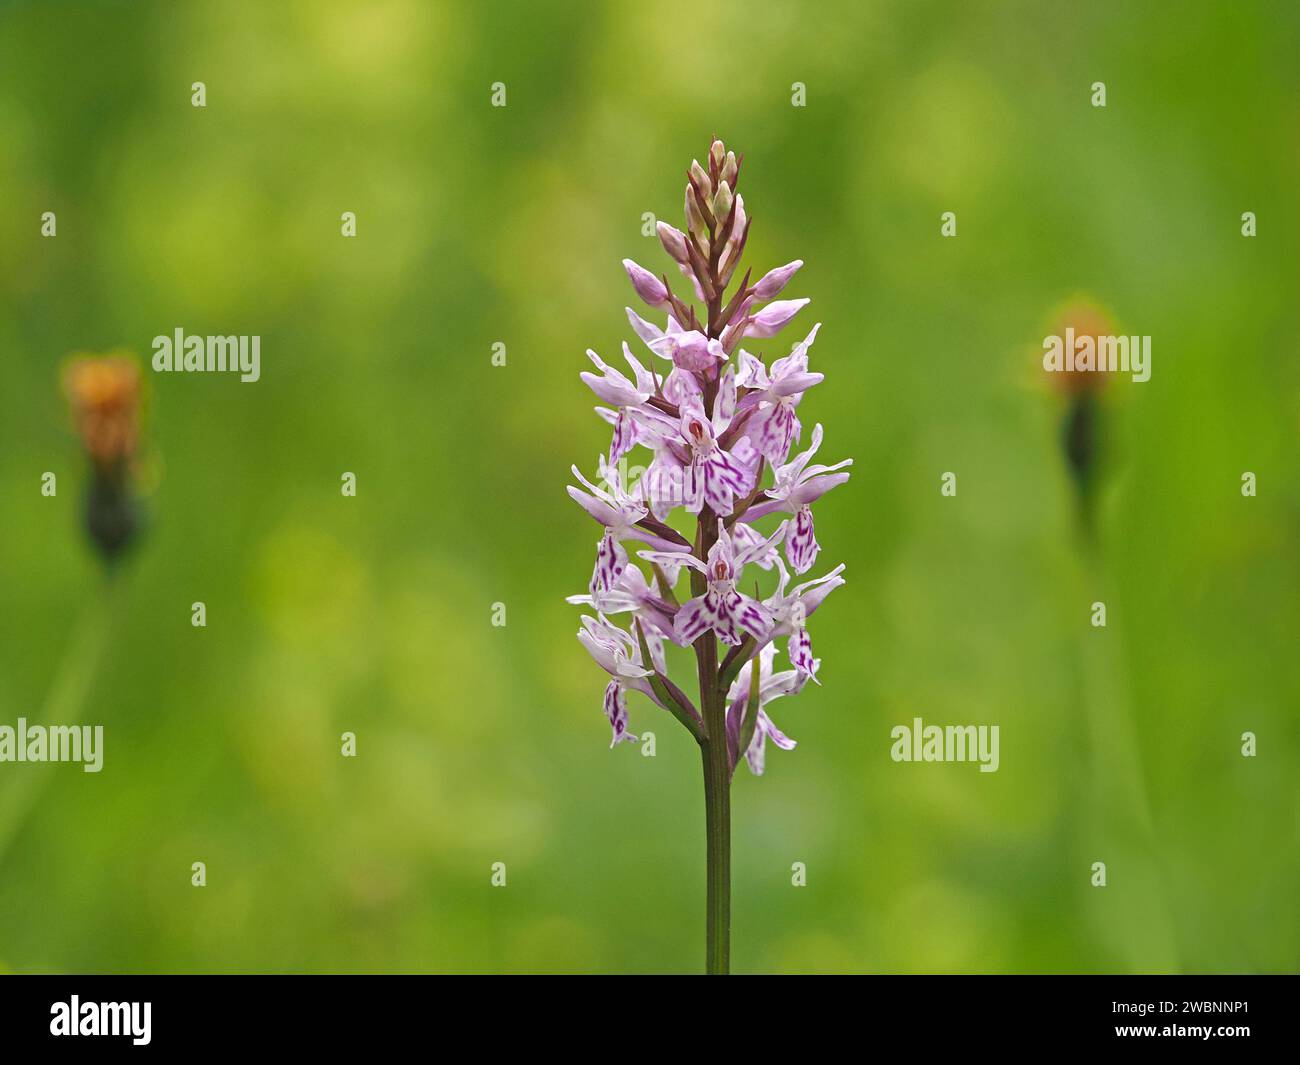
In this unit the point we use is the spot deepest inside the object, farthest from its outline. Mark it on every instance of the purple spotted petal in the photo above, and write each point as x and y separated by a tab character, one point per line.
616	711
694	619
611	561
801	545
752	616
724	479
727	620
776	430
800	651
624	437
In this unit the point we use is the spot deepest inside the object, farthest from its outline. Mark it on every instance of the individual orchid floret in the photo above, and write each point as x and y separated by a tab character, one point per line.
681	384
773	318
613	386
769	286
771	686
790	613
632	593
617	509
691	468
774	426
690	350
721	608
797	486
618	655
647	286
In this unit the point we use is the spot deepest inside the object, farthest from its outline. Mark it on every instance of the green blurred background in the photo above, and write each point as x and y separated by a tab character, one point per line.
477	225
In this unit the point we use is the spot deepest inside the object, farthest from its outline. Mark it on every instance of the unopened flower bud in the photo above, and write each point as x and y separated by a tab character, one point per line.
701	177
674	242
729	169
731	250
771	283
718	152
769	321
647	286
722	202
694	220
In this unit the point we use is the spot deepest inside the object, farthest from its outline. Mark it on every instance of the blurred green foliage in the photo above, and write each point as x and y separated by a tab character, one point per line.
476	225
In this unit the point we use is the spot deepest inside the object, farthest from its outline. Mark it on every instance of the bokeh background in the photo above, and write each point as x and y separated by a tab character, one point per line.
480	744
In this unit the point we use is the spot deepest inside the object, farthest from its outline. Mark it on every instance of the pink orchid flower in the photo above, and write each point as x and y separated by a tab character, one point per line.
722	608
797	486
774	424
618	655
771	686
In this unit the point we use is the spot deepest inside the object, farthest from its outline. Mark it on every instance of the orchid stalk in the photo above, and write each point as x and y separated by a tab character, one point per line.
719	425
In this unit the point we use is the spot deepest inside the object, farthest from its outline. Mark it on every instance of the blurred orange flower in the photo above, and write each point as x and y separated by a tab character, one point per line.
104	392
1087	319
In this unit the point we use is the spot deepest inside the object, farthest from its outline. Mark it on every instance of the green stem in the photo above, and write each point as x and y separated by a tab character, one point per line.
717	812
63	705
713	743
1119	818
717	815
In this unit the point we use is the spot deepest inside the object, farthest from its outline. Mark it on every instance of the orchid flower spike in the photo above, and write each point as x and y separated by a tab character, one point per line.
699	460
